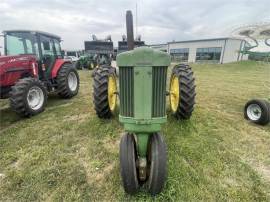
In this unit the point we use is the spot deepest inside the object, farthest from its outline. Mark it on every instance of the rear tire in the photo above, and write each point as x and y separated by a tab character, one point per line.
185	101
68	81
101	89
128	163
257	111
28	97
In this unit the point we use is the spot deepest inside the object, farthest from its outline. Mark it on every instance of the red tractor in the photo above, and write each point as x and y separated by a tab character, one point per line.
32	67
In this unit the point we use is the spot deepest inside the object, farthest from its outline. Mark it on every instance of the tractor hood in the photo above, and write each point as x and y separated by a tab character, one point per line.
9	60
13	67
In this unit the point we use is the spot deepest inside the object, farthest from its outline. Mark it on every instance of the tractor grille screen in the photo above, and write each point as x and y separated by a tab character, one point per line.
126	83
159	91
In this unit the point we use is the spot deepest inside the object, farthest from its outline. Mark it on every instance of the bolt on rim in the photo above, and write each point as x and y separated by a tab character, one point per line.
72	81
254	112
35	98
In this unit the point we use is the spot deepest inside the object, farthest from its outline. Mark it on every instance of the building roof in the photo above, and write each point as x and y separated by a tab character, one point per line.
200	40
35	32
161	44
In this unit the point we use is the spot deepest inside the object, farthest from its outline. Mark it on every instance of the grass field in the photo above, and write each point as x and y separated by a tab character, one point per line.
67	153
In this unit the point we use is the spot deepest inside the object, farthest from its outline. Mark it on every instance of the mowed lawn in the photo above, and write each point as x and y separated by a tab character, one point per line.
67	153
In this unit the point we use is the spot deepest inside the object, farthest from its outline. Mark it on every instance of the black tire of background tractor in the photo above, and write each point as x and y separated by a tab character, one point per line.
157	161
18	97
100	94
187	91
265	111
128	163
63	88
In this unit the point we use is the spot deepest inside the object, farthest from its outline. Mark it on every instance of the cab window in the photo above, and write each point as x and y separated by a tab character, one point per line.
46	46
20	43
57	47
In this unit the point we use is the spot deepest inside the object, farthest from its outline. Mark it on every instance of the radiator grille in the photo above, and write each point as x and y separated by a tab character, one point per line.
159	91
126	83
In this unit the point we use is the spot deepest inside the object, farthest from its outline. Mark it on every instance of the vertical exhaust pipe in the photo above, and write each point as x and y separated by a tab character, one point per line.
130	36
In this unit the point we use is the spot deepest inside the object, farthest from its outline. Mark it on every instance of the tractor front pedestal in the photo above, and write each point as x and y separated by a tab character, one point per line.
142	143
142	130
142	83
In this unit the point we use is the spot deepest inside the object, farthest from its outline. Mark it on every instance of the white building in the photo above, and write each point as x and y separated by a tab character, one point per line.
220	50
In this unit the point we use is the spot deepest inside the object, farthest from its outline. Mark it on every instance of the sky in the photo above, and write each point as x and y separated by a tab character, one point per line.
158	21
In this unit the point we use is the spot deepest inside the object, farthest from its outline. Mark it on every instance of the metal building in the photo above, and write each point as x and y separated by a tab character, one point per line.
219	50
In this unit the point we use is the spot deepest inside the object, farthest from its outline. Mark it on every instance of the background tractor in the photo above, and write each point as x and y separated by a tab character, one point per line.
142	92
97	52
32	67
122	45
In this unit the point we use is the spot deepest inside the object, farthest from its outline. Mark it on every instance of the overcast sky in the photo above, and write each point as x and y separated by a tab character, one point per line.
159	21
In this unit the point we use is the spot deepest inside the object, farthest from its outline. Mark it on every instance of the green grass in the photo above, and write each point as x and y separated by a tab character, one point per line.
67	153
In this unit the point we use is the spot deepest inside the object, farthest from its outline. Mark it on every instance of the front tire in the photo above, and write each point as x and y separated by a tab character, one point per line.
128	163
28	97
68	81
157	161
182	91
257	111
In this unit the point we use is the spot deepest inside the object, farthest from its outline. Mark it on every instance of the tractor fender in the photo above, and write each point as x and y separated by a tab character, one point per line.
57	65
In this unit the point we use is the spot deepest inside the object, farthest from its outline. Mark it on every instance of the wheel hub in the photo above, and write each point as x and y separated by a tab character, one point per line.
142	168
72	81
112	88
254	112
174	93
35	98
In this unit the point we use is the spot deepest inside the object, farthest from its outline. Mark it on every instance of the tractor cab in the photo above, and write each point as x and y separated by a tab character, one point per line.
32	67
44	46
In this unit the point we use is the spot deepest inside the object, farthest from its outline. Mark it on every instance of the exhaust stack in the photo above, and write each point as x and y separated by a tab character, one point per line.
130	35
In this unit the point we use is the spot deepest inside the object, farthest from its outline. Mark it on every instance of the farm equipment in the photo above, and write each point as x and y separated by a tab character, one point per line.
254	36
142	92
257	111
123	46
32	67
97	52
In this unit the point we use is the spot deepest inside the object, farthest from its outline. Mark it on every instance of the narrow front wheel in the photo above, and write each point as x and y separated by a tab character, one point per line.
128	158
157	163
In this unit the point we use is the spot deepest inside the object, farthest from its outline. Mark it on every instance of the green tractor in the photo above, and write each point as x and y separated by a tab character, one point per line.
97	52
142	93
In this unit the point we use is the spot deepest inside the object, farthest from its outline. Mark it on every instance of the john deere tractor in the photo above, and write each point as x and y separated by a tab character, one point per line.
97	52
142	92
32	67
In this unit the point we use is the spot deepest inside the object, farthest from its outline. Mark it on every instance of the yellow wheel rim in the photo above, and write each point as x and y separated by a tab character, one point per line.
174	93
112	89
